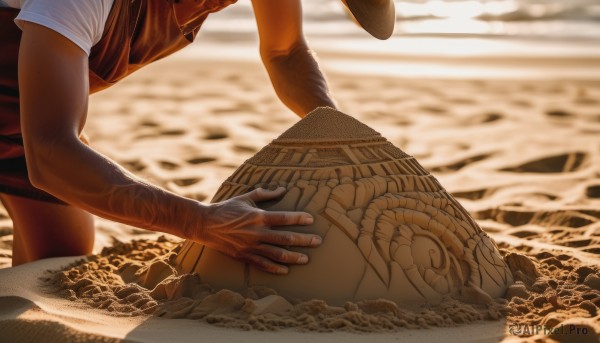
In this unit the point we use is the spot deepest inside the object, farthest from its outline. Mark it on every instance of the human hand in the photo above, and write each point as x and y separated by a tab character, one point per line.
236	227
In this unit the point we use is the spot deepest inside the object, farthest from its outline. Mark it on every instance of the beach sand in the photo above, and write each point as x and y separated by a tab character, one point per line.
522	156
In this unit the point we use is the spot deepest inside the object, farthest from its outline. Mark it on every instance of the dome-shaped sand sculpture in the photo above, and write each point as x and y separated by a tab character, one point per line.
389	229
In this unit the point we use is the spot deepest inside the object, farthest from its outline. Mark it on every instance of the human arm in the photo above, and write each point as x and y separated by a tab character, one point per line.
53	84
292	66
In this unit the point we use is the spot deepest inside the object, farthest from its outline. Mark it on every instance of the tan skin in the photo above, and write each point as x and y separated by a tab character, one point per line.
53	83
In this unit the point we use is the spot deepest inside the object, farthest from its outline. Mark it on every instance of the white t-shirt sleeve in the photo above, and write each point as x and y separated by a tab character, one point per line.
81	21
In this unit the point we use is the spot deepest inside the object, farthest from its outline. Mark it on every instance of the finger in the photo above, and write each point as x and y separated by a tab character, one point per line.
261	194
282	218
280	255
266	265
290	238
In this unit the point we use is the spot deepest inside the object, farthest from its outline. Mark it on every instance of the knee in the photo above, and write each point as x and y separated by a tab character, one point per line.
57	230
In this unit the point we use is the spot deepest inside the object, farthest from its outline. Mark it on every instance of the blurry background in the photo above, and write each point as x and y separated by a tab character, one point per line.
436	38
499	100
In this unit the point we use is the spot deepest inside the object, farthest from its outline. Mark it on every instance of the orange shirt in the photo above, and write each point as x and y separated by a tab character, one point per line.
136	33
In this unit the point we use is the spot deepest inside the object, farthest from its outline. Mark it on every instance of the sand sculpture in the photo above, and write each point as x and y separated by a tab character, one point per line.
389	229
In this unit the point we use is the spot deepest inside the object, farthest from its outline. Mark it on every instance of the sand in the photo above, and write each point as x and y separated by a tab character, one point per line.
389	229
520	156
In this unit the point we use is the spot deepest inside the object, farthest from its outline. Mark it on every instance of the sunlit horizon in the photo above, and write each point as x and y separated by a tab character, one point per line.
431	31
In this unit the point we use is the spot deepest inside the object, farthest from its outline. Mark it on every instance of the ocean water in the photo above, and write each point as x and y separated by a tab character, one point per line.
432	35
548	19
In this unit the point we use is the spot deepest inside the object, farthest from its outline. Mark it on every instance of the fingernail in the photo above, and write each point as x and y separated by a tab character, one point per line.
282	270
308	220
316	240
303	259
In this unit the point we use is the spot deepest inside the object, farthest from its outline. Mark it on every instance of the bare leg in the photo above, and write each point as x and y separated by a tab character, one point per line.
19	255
43	229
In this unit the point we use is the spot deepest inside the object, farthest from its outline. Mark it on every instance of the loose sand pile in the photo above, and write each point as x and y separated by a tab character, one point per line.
523	157
142	277
392	237
137	278
389	229
557	296
555	290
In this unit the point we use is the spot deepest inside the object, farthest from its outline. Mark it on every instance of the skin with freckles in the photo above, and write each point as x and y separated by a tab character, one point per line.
54	91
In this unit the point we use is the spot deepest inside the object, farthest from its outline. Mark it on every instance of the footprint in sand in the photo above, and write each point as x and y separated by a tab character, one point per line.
511	216
168	165
554	164
518	217
201	160
460	164
186	182
245	149
572	219
215	133
476	194
134	165
481	118
558	114
174	132
434	109
576	243
593	192
523	233
489	117
149	123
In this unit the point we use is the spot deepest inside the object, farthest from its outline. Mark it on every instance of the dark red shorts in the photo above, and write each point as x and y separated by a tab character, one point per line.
15	181
13	169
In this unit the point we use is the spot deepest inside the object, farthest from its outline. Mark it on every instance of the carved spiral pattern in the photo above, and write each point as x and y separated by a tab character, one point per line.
413	233
408	238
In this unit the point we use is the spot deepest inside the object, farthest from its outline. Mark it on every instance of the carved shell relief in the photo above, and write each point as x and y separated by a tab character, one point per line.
390	229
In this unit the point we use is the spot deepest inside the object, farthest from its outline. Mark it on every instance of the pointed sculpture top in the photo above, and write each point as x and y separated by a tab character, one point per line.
326	123
324	138
389	228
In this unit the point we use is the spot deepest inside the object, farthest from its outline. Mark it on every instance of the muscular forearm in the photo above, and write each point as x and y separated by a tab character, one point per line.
53	85
297	79
84	178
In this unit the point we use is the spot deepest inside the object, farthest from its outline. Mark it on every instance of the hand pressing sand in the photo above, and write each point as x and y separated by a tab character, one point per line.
237	228
520	156
390	230
47	78
393	239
